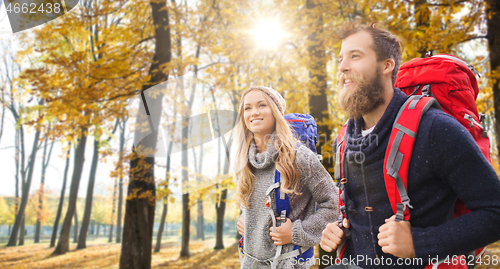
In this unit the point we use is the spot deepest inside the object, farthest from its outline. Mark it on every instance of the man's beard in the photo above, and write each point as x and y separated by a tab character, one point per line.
365	98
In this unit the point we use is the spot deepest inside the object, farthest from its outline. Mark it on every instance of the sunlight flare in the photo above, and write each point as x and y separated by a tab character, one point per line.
268	34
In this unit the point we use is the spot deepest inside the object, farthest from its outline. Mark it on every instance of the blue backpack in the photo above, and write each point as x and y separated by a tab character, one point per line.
304	128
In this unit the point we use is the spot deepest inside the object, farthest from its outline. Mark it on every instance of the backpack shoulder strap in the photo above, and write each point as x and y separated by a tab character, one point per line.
339	153
399	151
338	175
339	161
281	198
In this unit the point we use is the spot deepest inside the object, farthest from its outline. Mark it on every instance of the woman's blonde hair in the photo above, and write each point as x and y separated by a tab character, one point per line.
284	142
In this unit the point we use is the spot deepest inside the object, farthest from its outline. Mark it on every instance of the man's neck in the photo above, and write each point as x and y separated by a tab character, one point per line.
371	119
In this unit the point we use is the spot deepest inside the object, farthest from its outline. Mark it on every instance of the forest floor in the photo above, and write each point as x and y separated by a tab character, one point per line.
107	255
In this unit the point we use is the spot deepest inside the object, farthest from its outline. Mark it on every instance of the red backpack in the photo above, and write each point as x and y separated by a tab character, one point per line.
441	81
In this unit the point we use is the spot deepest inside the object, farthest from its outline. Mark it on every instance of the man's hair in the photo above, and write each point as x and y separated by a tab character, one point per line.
386	45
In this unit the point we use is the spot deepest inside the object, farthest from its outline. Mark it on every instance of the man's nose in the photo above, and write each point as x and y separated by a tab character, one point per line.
344	66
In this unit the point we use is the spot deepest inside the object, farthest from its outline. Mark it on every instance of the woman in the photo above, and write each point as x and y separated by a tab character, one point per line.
264	143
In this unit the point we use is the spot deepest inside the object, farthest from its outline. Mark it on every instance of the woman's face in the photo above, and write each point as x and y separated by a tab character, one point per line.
257	113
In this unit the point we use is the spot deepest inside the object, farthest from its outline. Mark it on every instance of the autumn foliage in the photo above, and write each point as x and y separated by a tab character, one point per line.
79	75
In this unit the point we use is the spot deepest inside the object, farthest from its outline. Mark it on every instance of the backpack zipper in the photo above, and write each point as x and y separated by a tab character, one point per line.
472	121
304	121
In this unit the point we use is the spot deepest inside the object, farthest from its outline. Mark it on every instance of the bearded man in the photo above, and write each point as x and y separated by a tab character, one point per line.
446	164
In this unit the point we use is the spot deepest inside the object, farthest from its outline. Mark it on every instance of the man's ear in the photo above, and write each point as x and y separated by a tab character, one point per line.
388	66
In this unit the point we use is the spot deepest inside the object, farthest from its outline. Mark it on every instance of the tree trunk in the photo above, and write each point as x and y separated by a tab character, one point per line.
119	215
40	195
115	189
493	37
61	201
17	160
318	100
25	192
120	184
140	208
165	200
111	226
220	205
63	243
162	224
200	233
221	210
75	228
186	213
22	232
45	163
82	240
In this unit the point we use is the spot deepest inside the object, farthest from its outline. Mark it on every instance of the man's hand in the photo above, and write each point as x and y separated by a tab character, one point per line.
283	234
333	236
395	238
241	226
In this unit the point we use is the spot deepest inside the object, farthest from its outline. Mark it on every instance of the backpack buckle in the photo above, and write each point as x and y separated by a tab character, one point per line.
283	215
406	204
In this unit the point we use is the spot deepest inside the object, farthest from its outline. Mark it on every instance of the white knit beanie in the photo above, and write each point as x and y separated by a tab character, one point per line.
273	94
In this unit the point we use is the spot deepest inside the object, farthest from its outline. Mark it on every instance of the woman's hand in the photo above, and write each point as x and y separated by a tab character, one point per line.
241	226
283	234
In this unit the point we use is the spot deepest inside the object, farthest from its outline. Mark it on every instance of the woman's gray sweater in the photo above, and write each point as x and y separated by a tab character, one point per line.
317	191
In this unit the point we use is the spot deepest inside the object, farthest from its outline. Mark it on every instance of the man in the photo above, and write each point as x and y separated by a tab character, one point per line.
446	164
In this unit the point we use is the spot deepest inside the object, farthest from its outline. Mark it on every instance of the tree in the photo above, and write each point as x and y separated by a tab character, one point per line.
200	232
63	243
19	223
120	182
318	99
14	102
86	79
82	240
61	199
166	193
140	206
45	163
221	187
118	175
